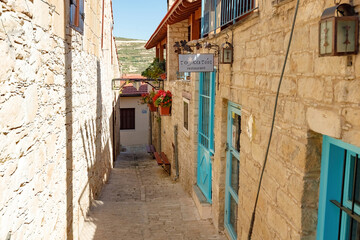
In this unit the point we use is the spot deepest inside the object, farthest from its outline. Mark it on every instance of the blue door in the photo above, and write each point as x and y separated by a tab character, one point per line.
206	132
232	169
339	196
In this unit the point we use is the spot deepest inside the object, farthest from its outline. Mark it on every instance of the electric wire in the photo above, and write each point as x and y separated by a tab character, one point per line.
7	35
273	123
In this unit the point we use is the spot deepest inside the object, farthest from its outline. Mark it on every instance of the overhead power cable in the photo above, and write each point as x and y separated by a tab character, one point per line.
273	123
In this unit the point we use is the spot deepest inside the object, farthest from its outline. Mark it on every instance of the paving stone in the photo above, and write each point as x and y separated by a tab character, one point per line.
140	201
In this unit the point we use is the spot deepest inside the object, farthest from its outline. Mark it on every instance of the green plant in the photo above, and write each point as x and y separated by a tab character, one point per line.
158	119
147	98
155	69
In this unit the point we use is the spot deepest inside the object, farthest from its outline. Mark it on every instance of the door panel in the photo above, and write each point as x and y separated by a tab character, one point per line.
205	132
204	172
234	174
232	169
233	208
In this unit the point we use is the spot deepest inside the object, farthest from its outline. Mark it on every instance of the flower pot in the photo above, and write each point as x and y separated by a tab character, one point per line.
152	107
164	111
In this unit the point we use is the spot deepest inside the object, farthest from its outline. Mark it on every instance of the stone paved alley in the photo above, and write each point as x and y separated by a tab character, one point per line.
141	201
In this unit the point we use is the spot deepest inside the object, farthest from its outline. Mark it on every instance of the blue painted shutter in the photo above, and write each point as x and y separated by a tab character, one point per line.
82	15
72	12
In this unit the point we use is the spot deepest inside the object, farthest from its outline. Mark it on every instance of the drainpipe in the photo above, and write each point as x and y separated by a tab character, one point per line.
113	130
150	129
159	133
176	152
159	124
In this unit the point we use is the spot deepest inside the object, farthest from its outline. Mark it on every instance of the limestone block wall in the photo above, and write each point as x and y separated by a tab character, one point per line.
175	33
55	117
187	142
317	97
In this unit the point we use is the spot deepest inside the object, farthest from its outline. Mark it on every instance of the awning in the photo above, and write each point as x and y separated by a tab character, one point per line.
179	11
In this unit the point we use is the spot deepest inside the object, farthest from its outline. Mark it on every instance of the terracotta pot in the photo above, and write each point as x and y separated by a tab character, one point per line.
164	111
152	107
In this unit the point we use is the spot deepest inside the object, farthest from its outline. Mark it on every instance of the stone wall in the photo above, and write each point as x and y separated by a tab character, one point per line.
55	117
314	99
319	96
187	141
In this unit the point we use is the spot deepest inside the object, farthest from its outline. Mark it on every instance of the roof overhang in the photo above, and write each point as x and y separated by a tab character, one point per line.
179	11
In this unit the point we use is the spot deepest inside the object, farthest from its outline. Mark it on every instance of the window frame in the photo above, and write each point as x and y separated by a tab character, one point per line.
347	203
332	177
212	13
77	16
187	101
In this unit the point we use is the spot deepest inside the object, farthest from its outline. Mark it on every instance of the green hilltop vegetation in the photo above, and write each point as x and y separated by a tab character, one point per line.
127	39
133	56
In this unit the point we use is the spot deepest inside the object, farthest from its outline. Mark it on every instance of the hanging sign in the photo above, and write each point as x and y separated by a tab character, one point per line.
196	62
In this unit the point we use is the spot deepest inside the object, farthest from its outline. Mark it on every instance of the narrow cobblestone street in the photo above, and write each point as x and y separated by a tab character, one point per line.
141	201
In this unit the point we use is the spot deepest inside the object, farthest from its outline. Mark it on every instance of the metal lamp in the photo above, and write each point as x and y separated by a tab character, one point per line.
338	31
227	51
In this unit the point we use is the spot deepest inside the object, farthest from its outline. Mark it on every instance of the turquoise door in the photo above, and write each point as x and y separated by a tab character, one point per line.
206	132
232	169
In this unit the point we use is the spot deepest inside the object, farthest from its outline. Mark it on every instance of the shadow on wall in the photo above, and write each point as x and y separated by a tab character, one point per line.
97	151
97	154
310	196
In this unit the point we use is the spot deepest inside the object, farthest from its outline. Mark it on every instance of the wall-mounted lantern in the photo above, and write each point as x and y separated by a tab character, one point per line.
227	52
338	31
177	47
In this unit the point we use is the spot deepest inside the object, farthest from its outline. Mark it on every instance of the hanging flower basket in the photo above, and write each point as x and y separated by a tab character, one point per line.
152	107
163	100
147	98
164	111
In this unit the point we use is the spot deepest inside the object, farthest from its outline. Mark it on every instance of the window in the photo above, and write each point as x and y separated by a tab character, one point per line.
77	15
189	33
186	76
186	115
220	13
127	118
339	200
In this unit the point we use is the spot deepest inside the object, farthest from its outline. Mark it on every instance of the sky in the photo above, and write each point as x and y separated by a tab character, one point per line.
137	19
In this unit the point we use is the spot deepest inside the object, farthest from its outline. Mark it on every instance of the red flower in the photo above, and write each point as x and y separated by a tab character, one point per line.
162	98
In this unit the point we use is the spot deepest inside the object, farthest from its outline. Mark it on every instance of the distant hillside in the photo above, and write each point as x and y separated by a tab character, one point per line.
133	57
127	39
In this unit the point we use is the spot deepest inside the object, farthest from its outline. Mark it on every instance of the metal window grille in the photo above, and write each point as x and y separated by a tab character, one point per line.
127	118
220	13
352	221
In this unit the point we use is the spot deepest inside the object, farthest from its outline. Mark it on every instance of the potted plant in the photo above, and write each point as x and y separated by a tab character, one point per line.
163	100
147	98
156	70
